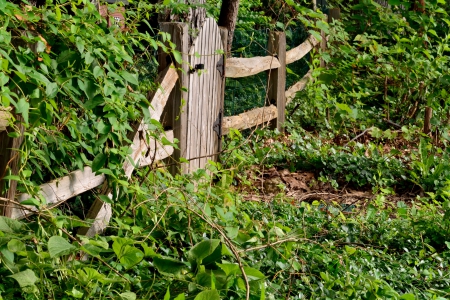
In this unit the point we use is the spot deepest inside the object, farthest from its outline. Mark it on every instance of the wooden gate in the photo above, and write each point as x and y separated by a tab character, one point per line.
205	101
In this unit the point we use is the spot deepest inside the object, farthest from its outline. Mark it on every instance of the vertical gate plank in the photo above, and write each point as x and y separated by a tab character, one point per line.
204	97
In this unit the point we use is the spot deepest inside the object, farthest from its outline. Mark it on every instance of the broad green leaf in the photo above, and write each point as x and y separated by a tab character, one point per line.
98	162
180	297
131	78
51	90
8	225
167	295
98	72
229	268
350	250
166	265
208	295
23	108
58	246
25	278
131	256
253	274
128	296
15	245
177	56
203	249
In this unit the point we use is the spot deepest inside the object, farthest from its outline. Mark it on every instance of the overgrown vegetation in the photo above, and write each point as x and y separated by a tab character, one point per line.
371	222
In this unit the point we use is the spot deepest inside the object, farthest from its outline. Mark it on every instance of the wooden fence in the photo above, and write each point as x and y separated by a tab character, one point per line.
199	124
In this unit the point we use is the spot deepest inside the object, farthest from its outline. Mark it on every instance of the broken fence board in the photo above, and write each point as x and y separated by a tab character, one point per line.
61	189
101	212
242	67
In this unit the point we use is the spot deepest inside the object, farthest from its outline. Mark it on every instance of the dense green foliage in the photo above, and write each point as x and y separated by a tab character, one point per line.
197	236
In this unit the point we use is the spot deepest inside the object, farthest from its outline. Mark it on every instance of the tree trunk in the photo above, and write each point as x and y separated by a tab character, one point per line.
227	19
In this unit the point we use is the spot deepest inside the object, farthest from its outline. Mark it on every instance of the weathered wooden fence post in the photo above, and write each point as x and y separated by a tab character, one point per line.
277	77
175	116
9	163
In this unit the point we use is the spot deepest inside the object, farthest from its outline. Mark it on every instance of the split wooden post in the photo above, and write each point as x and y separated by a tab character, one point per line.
277	77
9	163
174	115
224	38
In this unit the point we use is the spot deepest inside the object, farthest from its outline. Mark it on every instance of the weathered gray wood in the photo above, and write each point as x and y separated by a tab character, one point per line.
298	86
5	117
160	153
59	190
221	90
100	211
205	92
334	14
300	51
262	115
250	118
175	115
237	67
277	77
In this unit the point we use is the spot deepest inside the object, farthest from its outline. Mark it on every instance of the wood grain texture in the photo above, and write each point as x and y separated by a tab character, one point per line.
237	67
175	115
298	86
59	190
262	115
250	118
277	77
204	100
300	51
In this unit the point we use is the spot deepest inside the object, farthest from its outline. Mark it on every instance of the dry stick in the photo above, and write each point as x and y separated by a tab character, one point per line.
358	136
273	244
385	97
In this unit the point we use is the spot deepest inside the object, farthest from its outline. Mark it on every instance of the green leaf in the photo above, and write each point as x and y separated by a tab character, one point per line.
203	249
229	268
167	295
15	245
408	297
25	278
23	108
208	295
99	161
98	72
131	256
350	250
51	89
106	199
131	78
58	246
8	225
128	296
180	297
177	56
58	13
31	201
166	265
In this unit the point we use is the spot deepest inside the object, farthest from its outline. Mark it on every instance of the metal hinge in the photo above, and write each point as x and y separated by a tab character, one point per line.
221	67
217	127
